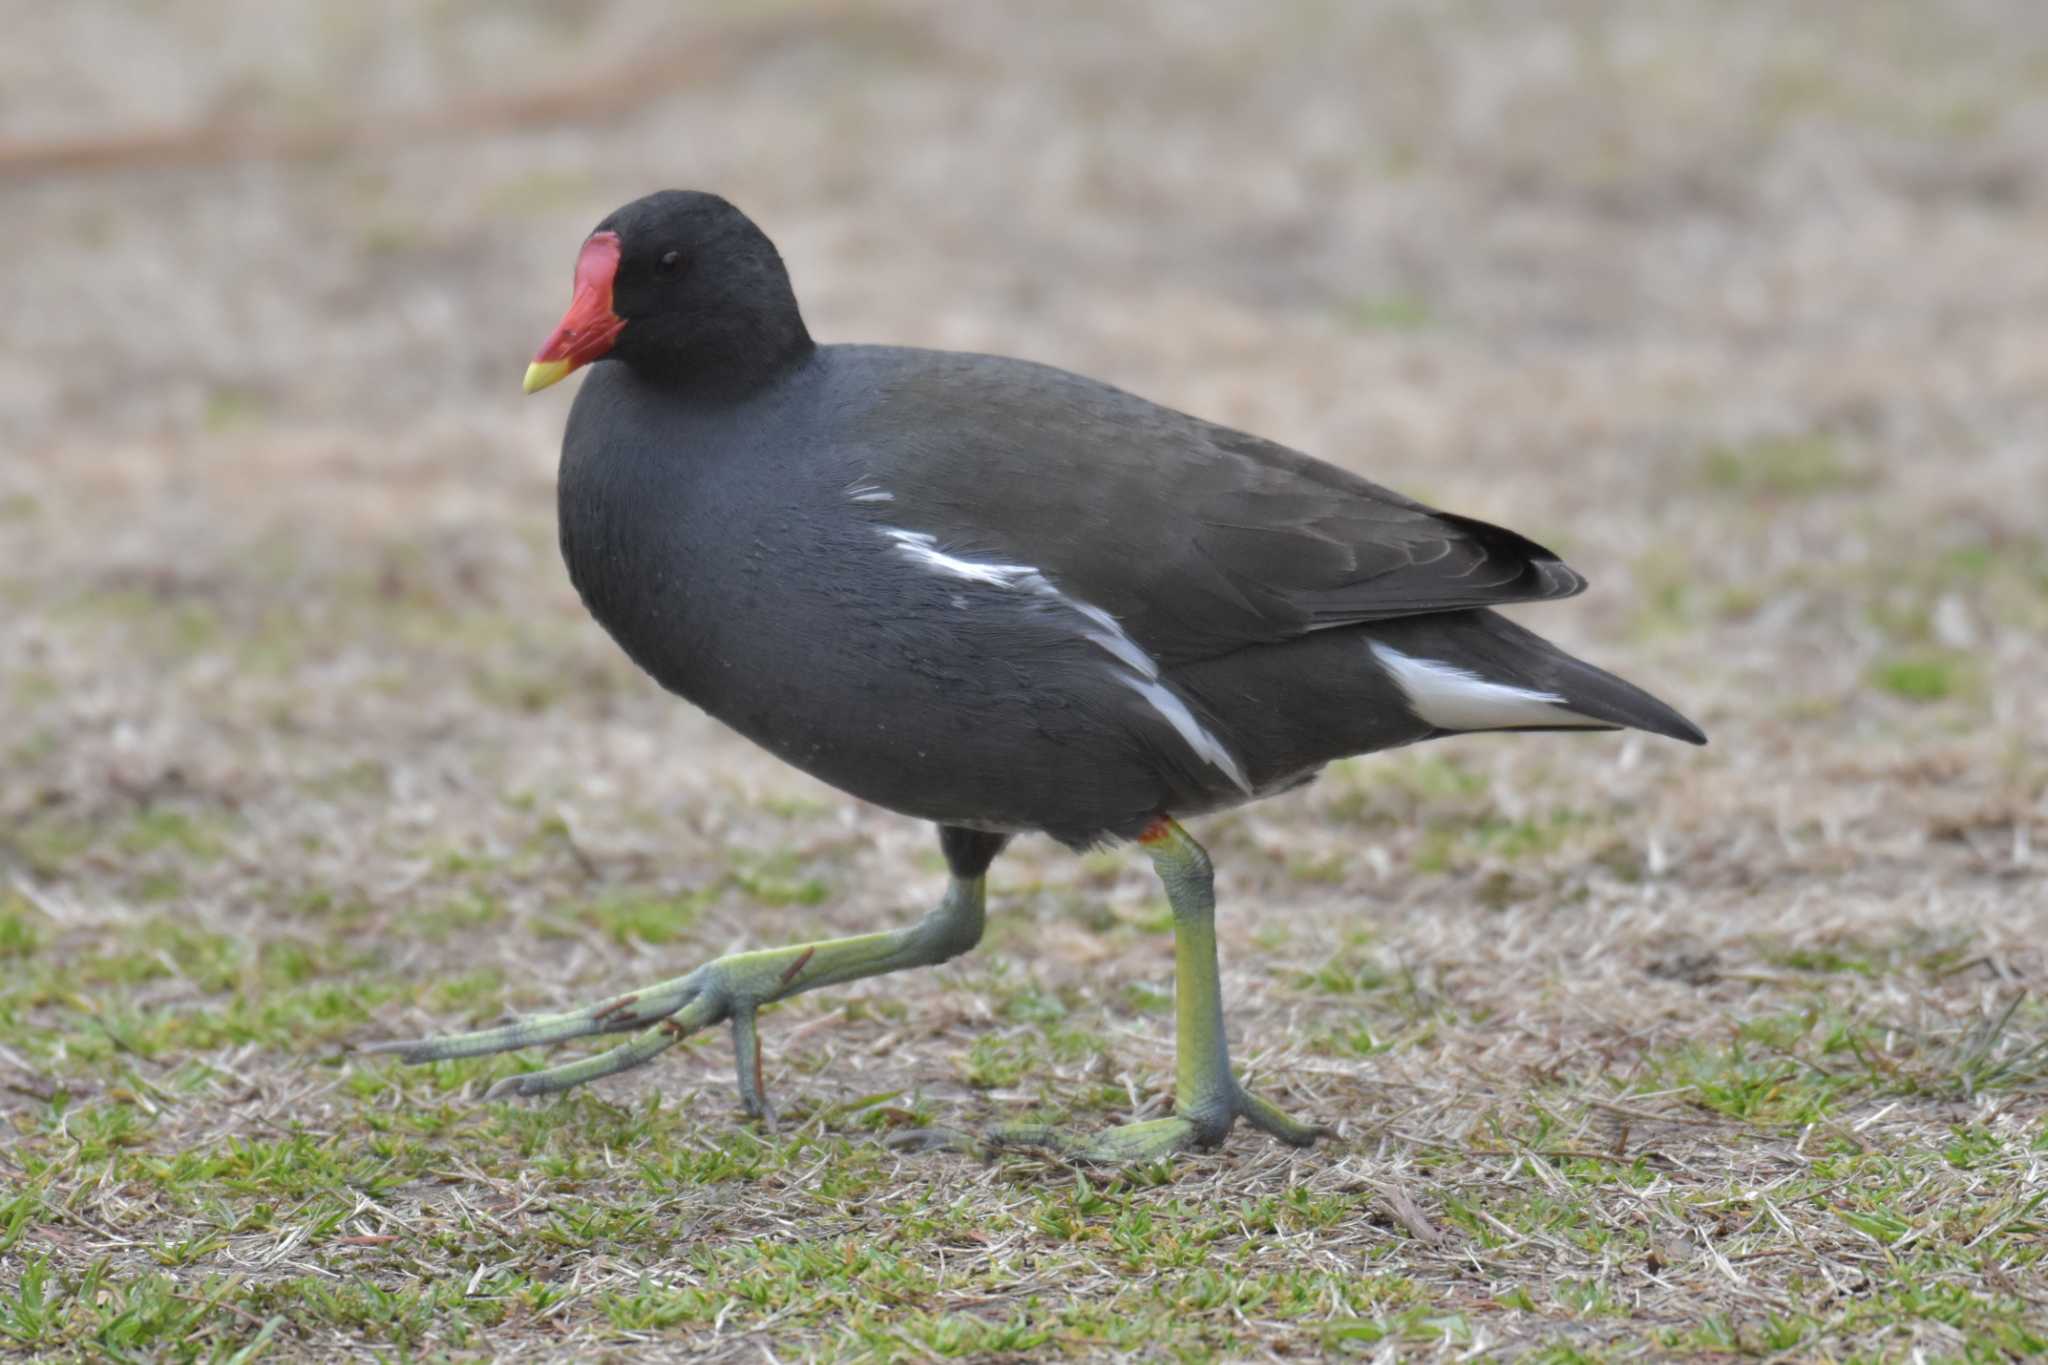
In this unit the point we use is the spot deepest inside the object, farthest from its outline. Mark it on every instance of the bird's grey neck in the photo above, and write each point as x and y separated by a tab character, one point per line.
719	375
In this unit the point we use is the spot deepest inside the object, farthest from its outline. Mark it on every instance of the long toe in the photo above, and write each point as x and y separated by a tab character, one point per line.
1153	1139
935	1139
614	1014
1270	1118
644	1048
1126	1145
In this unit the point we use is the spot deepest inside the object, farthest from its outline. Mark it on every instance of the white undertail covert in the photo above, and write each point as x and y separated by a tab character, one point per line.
1454	698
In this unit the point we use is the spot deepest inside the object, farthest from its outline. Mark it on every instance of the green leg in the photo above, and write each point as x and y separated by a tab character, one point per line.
731	989
1207	1097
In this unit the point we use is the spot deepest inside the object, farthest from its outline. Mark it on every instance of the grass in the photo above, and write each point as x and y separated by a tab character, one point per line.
1858	1173
1388	313
1817	1144
1779	467
1923	677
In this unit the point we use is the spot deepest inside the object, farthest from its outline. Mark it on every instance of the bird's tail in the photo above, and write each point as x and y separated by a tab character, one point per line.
1477	670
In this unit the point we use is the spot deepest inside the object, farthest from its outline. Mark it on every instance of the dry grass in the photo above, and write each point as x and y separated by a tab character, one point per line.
1632	1051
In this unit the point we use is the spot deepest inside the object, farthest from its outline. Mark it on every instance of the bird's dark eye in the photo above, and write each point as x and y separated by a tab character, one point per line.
669	264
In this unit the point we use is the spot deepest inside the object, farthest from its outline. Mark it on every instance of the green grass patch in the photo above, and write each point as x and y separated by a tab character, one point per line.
1807	1066
23	929
1926	677
1798	466
1388	313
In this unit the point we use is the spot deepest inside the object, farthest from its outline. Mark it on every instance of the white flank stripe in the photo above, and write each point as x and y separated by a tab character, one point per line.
923	548
1454	698
1111	637
1207	747
867	492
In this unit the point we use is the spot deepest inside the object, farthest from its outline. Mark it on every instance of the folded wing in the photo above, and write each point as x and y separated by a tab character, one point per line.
1199	539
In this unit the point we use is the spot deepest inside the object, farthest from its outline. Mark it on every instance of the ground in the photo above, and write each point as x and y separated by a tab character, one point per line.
1631	1050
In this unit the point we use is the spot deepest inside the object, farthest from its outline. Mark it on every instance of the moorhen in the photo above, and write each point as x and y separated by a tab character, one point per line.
1003	598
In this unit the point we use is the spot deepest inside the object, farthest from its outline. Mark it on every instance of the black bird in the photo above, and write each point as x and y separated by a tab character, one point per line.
1003	598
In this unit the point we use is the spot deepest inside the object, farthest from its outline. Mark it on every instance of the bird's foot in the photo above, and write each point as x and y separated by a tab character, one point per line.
1200	1126
727	989
730	989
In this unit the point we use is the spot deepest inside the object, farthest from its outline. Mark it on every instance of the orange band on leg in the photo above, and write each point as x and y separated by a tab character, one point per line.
1158	831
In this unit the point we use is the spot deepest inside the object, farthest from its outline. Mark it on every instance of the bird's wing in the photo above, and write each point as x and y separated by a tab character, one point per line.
1197	538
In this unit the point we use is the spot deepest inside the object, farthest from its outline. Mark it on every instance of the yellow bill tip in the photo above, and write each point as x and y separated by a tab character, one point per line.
542	373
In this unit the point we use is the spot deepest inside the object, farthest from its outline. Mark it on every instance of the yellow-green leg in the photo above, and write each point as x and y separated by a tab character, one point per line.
731	989
1207	1097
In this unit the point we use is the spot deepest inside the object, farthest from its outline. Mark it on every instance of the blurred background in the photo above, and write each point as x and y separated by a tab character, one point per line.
1741	306
1742	309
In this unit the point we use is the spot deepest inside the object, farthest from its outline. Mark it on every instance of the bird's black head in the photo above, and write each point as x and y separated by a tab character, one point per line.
682	287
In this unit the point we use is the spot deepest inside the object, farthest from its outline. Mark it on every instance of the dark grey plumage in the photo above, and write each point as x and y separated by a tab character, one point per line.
896	569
